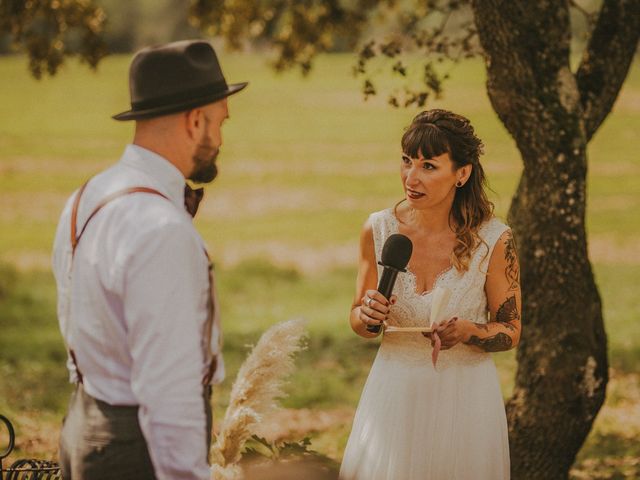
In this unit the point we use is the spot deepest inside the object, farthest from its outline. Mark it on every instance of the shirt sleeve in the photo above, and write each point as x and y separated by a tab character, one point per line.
165	308
61	264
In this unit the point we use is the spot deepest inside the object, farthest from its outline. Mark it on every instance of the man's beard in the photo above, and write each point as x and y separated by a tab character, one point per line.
204	163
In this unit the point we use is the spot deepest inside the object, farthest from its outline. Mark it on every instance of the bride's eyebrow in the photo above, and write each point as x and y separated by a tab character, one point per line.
407	157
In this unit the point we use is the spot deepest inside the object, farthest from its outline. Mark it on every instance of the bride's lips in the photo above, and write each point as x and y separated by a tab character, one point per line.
414	195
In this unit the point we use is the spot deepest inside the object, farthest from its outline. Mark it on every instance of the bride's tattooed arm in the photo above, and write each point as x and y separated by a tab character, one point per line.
502	287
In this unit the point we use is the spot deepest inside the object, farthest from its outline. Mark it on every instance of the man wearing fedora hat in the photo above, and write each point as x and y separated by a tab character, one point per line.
136	304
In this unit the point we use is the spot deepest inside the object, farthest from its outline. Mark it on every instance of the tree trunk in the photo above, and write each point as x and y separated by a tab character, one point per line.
562	358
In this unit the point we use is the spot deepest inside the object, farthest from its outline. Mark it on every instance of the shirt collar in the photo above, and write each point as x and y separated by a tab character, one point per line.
166	176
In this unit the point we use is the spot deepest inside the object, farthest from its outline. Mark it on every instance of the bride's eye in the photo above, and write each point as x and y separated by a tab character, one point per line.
406	160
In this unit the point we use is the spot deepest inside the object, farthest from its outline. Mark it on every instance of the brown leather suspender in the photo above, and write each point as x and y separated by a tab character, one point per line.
74	218
75	236
75	239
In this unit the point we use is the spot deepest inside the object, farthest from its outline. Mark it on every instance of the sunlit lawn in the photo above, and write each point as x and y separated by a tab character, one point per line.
303	164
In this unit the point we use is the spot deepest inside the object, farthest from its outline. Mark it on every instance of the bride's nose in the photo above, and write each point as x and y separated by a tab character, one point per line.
412	178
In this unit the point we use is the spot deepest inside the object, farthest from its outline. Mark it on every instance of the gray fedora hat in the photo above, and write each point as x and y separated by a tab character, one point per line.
175	77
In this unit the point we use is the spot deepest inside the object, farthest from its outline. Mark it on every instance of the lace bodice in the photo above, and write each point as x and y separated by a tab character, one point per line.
468	299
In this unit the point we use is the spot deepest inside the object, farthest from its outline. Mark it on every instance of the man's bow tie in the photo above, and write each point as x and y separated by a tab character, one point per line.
192	199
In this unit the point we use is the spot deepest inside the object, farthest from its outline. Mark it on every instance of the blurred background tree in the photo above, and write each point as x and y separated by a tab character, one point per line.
50	30
554	70
132	25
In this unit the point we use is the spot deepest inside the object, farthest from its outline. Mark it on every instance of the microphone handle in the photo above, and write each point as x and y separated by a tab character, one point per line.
385	287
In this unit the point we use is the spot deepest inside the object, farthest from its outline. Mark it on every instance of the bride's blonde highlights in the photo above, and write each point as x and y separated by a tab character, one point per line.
433	133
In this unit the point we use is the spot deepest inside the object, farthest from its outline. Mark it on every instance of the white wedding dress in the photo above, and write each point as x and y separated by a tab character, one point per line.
415	422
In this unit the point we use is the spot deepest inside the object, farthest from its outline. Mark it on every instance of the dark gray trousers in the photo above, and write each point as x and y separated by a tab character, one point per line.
104	442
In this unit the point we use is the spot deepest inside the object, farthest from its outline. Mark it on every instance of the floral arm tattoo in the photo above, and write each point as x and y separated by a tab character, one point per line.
499	335
496	343
512	270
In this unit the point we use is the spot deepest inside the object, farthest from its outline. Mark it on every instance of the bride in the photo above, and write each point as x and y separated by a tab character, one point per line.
442	421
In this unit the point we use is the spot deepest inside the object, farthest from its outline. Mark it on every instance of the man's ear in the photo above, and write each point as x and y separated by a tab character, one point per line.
194	123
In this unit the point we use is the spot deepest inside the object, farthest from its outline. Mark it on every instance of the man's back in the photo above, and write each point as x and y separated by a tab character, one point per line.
138	311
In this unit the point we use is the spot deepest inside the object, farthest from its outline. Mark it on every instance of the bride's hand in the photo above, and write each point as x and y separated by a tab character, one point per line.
374	308
453	331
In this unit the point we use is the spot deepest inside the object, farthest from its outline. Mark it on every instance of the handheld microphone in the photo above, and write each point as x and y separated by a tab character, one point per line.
395	256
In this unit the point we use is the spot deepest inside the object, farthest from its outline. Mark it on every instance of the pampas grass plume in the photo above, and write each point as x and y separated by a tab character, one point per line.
254	394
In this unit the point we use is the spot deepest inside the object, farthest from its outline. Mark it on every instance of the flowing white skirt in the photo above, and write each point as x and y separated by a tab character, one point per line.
416	423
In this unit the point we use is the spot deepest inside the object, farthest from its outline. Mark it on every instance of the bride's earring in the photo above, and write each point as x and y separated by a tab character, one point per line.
459	183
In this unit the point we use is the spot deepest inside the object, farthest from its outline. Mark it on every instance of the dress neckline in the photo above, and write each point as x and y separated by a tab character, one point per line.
412	275
439	277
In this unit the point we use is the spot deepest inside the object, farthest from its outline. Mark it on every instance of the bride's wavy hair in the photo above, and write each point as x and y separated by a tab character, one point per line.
433	133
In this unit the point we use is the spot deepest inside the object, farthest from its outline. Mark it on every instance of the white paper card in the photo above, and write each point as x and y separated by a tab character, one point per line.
439	303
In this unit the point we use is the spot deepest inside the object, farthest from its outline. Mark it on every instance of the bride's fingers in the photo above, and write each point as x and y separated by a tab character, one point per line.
369	321
447	341
372	323
373	314
450	343
376	304
448	338
374	295
379	307
447	324
447	334
449	329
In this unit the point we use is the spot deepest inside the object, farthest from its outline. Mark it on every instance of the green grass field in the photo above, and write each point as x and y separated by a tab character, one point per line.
303	164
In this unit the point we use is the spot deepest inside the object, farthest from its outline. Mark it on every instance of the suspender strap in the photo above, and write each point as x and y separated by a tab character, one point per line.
75	236
74	217
213	315
213	321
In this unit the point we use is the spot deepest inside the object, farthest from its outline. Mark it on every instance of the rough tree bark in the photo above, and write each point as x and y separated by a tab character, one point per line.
552	113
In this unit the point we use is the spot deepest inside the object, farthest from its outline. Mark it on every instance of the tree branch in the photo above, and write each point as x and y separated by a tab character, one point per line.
298	30
442	33
51	30
606	60
526	47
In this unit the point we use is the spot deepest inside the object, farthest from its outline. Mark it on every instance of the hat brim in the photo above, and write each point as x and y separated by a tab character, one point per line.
181	106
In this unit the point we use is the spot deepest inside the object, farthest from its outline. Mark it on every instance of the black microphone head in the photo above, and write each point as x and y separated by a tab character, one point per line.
396	251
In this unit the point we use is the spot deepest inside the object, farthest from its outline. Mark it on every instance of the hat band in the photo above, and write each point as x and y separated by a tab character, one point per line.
191	94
